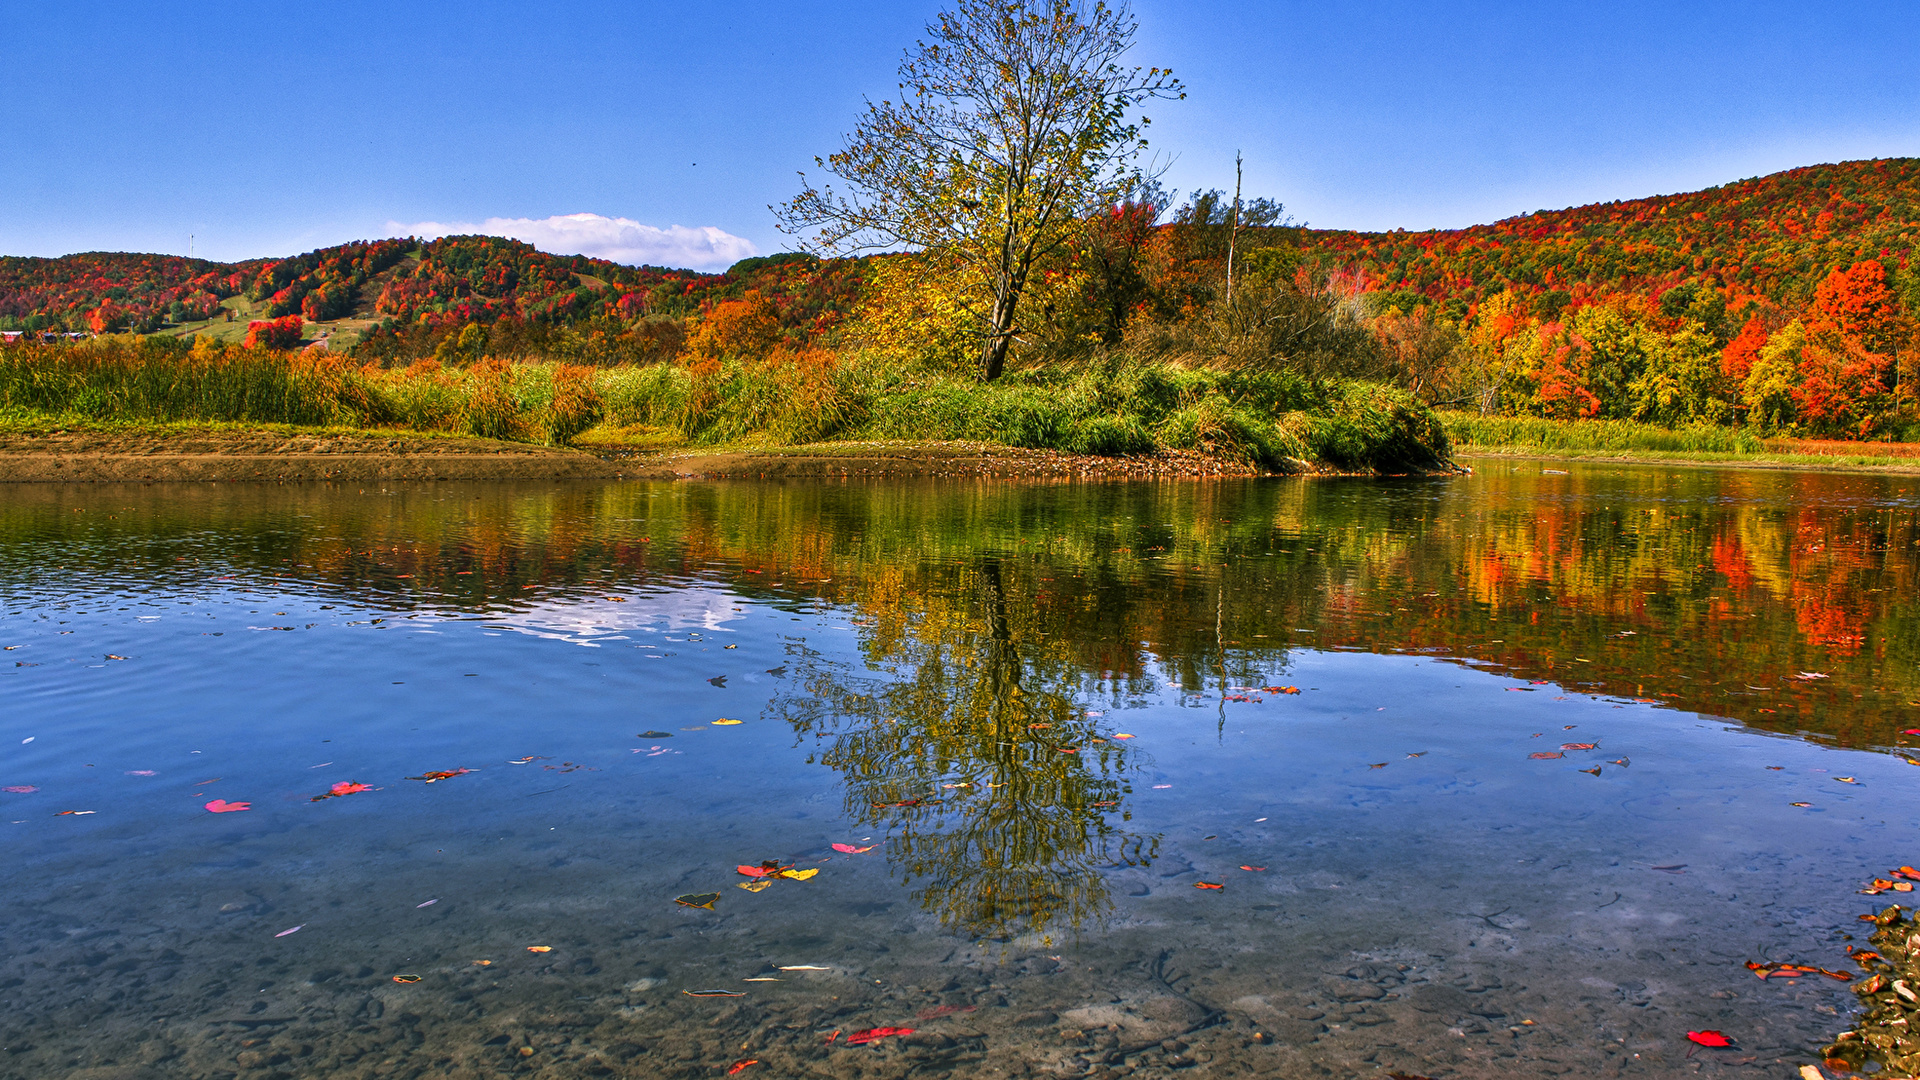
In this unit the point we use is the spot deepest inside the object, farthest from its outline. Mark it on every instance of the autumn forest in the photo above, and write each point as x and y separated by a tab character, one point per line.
1783	304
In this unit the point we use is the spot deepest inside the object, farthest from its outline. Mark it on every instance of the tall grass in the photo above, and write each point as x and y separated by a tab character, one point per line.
1116	406
158	379
1471	429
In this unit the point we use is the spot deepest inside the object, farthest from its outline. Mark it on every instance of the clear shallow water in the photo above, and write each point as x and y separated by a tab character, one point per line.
943	672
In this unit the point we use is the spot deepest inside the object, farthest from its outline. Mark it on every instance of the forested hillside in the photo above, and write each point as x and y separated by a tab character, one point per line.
1783	303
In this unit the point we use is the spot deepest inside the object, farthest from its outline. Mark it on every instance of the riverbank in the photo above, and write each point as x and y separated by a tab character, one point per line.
55	453
1624	442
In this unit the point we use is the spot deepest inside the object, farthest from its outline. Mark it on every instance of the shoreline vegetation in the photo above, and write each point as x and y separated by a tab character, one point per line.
1625	442
130	397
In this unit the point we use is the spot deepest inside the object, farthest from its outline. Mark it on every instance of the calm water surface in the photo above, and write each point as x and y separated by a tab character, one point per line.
1567	749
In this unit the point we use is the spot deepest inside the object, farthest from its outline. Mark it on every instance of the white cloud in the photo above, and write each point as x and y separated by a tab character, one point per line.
620	240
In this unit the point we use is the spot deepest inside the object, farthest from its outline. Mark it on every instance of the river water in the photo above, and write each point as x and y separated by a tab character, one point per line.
1498	775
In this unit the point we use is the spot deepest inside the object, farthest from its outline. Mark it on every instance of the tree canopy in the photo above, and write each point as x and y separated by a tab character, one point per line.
1015	124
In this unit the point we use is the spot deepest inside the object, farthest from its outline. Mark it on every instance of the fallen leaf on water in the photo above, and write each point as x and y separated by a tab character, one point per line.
1579	746
738	1065
1381	765
769	868
290	930
851	850
1595	771
1542	755
1846	779
441	774
345	787
1253	868
112	656
835	1035
1524	689
1209	885
714	993
1068	749
1123	736
755	885
654	735
222	806
1709	1038
731	646
861	1038
799	875
1911	731
1281	689
21	789
406	978
483	963
539	948
1422	753
1622	762
1799	804
699	900
724	722
1112	802
65	813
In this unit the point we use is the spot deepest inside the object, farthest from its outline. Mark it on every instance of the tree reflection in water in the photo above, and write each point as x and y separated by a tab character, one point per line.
980	761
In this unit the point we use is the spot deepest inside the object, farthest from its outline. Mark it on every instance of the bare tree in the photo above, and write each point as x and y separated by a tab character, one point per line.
1015	124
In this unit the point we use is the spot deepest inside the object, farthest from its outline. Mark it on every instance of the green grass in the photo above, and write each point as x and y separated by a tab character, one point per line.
1275	420
1535	433
1473	434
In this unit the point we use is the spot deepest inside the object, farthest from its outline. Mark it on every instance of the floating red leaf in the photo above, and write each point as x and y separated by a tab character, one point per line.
345	787
1544	754
738	1065
1209	885
851	850
861	1038
222	806
1709	1038
442	774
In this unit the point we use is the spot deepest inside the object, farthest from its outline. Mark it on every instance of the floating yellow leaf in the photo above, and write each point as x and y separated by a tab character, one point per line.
539	948
724	722
755	886
800	875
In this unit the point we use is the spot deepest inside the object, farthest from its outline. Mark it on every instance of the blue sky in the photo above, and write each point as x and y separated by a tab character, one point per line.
273	129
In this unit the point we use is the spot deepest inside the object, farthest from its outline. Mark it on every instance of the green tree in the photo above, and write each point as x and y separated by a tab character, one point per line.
1015	125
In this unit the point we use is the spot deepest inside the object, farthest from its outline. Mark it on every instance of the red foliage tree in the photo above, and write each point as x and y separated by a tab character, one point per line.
281	333
1736	360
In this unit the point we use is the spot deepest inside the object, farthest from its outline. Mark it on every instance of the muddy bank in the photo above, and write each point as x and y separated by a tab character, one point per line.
937	459
238	455
229	455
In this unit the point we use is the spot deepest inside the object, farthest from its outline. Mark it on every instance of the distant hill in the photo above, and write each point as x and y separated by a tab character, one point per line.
1771	238
402	282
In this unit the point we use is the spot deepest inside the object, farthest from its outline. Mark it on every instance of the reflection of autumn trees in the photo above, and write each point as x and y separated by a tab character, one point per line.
1685	582
978	757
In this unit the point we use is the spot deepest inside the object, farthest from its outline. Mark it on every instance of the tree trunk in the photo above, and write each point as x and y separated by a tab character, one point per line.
993	355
